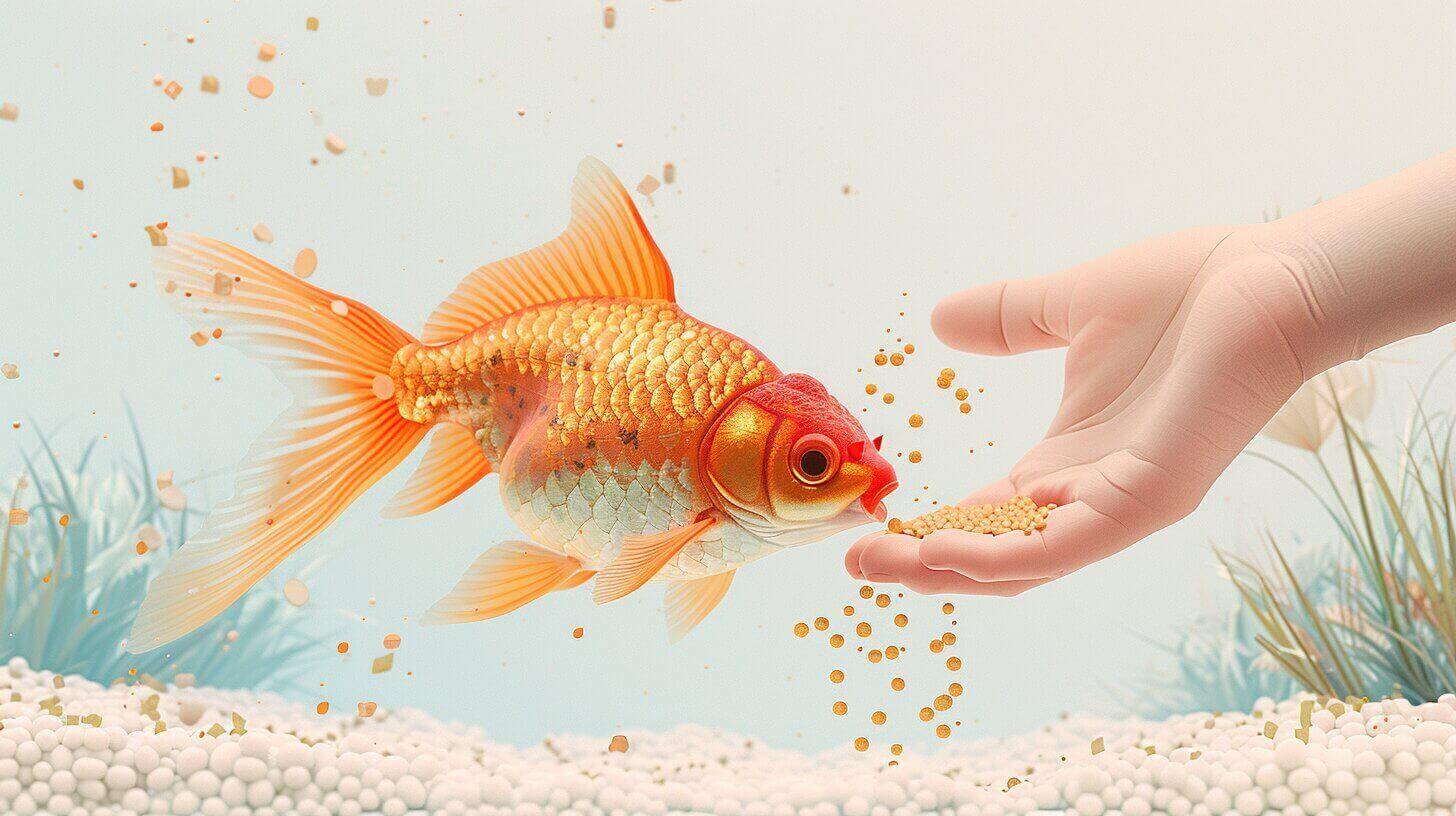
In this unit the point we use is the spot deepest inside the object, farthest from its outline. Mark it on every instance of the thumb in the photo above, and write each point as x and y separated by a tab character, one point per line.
1006	317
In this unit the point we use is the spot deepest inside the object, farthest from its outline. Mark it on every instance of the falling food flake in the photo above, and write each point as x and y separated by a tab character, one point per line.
260	86
618	745
305	262
322	707
382	664
376	86
367	709
149	538
173	498
79	184
648	185
180	178
669	173
334	144
11	371
1098	746
343	647
391	641
222	285
578	632
9	112
295	592
267	51
311	24
198	338
609	16
209	84
173	89
19	516
158	127
262	233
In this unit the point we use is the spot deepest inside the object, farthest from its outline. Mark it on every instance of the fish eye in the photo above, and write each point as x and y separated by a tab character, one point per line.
814	459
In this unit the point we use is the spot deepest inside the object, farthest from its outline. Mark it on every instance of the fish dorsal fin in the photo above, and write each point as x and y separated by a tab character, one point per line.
451	466
642	557
688	602
605	251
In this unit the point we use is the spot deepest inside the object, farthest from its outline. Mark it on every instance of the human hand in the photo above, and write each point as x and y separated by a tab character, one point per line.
1179	350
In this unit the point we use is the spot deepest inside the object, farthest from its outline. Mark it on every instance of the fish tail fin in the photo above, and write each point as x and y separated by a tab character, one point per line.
342	432
505	578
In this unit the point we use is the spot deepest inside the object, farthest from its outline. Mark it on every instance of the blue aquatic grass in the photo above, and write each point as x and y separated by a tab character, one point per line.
70	590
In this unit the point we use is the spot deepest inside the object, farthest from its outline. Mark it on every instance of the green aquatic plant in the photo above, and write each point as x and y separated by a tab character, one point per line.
1379	618
80	541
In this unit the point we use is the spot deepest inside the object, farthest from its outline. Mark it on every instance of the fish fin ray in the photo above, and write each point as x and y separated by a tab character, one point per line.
336	439
503	579
606	251
452	465
689	602
643	557
576	580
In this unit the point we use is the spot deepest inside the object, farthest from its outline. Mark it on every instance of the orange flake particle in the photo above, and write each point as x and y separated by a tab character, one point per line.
260	86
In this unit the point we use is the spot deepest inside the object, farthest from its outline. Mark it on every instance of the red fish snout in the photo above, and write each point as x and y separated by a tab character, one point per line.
882	481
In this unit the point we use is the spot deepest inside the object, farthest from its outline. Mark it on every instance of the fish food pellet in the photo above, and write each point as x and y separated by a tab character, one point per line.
865	592
1018	513
836	640
916	420
836	676
955	689
897	359
915	457
962	394
942	731
902	620
841	707
948	638
965	407
821	623
849	611
881	359
936	646
926	714
888	398
861	744
897	749
942	703
892	652
871	388
948	608
882	600
898	684
876	655
801	629
953	663
863	629
878	718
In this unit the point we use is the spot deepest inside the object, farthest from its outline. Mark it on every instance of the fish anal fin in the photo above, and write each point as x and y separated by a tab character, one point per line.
643	557
503	579
452	465
605	251
689	602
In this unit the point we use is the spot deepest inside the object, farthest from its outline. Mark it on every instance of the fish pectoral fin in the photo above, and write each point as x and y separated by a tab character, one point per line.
643	557
452	465
689	602
581	577
503	579
605	251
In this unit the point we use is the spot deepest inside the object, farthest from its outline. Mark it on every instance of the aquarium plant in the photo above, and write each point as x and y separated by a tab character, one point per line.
82	538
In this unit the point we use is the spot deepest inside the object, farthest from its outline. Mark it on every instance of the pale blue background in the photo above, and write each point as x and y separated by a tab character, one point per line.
980	139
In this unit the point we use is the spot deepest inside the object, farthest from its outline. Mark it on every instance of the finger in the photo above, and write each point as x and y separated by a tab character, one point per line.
1075	536
1006	317
894	558
851	558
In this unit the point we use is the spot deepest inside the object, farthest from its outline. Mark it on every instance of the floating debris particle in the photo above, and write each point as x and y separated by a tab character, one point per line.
149	538
262	233
376	86
19	517
367	708
173	89
180	178
669	173
267	51
311	24
157	127
609	17
172	498
1098	746
198	338
295	592
260	86
305	262
382	664
9	112
334	144
648	185
209	84
222	285
619	744
79	184
11	371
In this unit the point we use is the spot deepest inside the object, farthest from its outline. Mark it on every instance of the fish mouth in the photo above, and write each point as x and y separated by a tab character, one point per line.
873	500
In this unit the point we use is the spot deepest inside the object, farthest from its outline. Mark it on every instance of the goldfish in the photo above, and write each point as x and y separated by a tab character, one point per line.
634	443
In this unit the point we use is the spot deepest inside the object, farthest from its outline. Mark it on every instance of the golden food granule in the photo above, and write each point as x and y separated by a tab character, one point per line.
619	744
909	348
821	623
915	457
882	600
888	398
962	394
260	86
894	525
863	629
1017	513
841	707
965	407
902	619
892	652
926	714
897	359
916	420
898	684
876	655
871	388
947	608
948	638
955	689
942	702
897	749
861	744
801	629
322	707
865	592
343	647
878	718
836	676
942	731
936	646
849	611
391	641
836	640
578	632
881	359
953	663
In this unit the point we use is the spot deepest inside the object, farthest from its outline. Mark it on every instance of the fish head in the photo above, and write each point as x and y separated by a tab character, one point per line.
790	463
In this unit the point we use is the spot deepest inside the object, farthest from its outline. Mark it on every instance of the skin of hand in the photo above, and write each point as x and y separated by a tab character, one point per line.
1179	350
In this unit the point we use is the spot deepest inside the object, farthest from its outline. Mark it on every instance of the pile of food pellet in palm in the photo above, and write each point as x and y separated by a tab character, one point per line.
1017	513
133	749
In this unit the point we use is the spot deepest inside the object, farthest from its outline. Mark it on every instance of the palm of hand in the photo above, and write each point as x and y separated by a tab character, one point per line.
1176	357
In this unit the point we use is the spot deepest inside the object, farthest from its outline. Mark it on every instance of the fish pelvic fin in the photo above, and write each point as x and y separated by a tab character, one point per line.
503	579
452	465
643	557
605	251
689	602
342	432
